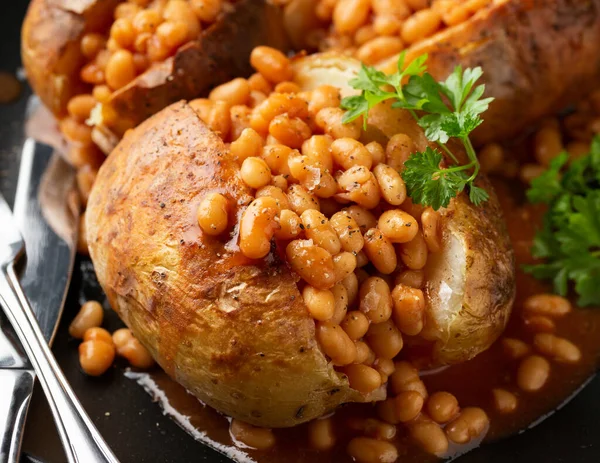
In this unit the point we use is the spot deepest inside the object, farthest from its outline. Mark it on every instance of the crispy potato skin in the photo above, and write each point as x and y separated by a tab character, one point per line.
537	56
50	48
221	54
234	332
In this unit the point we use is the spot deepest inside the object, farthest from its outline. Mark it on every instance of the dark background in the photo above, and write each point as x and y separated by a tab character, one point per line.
135	426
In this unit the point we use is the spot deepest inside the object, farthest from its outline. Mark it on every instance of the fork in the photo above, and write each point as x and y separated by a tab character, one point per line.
81	440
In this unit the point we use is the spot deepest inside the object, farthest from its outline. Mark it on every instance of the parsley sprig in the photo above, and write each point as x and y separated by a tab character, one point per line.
449	109
569	241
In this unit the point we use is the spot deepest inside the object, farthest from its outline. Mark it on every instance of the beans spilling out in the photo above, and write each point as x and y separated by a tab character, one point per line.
374	30
98	350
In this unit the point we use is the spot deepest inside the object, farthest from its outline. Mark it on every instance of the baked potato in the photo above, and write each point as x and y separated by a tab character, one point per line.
236	331
52	56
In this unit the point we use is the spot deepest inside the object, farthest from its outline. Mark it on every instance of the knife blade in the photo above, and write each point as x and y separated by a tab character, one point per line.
45	195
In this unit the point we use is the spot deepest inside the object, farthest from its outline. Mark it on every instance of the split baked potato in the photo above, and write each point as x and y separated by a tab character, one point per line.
235	331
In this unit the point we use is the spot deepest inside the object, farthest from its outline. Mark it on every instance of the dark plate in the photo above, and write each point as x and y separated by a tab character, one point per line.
136	428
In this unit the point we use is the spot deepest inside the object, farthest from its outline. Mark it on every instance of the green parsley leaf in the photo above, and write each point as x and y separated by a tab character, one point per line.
569	241
449	109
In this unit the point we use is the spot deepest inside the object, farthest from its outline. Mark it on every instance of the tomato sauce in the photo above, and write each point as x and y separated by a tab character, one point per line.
471	382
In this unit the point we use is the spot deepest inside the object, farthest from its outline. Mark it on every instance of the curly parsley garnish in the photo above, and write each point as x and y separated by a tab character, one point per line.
569	241
444	110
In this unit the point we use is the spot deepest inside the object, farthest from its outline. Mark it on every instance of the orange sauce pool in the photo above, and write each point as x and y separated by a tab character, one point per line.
471	382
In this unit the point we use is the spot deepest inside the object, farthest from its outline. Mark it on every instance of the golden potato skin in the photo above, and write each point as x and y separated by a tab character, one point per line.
50	49
537	56
234	332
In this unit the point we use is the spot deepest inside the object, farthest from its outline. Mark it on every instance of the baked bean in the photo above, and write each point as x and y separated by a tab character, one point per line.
384	25
432	229
395	8
90	315
348	232
533	373
364	219
287	87
271	63
276	157
404	374
301	200
344	264
213	214
252	436
313	263
92	74
420	25
398	150
539	324
408	405
289	225
258	83
361	259
390	183
219	119
409	309
320	434
335	343
239	116
550	305
412	278
351	285
324	96
123	33
429	436
121	337
372	427
120	69
97	334
529	172
330	120
316	148
275	193
515	348
558	349
255	172
363	378
355	324
173	34
80	107
547	145
385	339
491	158
135	353
280	182
101	93
380	251
385	368
291	132
504	401
318	229
273	106
379	48
91	44
257	227
375	300
413	209
368	450
320	302
349	153
468	425
398	226
377	153
95	357
414	253
364	354
202	107
234	92
180	11
206	10
349	15
75	131
442	407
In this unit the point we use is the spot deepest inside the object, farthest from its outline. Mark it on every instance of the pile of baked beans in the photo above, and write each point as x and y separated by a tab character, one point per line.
98	350
143	32
373	30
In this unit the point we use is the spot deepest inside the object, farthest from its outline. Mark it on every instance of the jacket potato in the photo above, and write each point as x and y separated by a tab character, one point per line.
236	330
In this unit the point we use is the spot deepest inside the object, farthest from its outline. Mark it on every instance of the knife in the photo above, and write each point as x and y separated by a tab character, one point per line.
45	182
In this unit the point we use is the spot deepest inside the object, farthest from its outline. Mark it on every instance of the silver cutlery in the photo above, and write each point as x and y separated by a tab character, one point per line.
81	440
